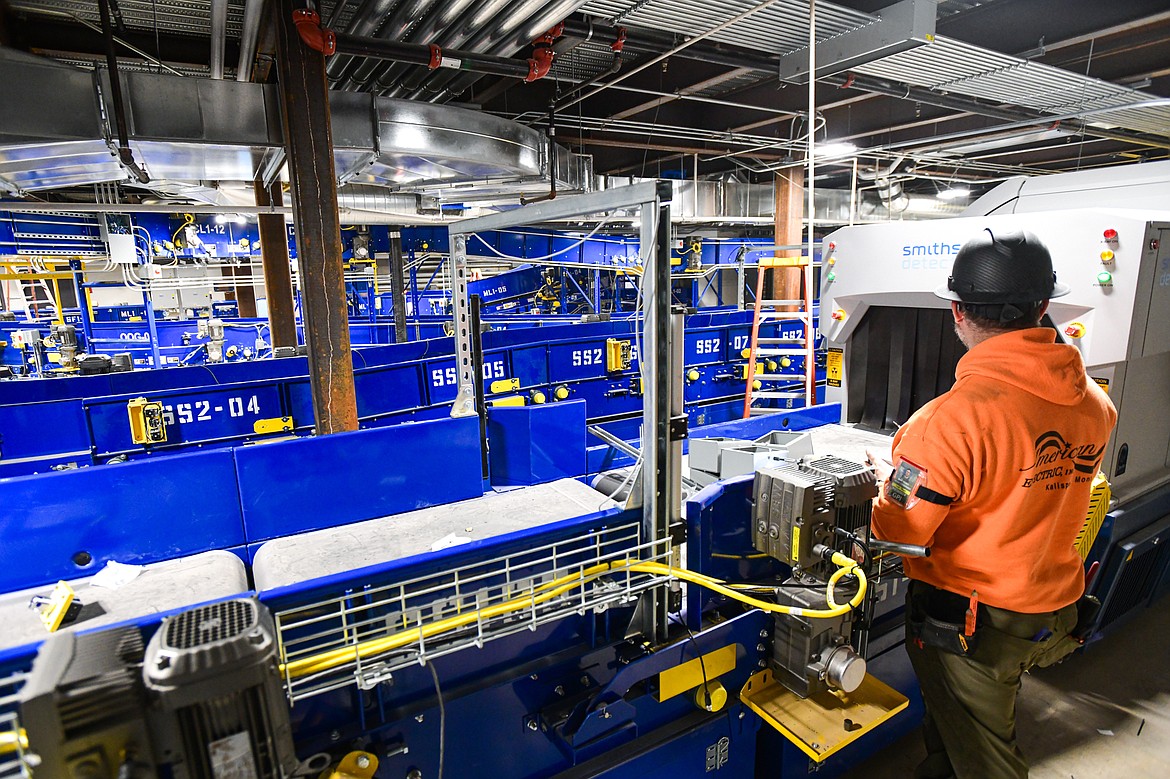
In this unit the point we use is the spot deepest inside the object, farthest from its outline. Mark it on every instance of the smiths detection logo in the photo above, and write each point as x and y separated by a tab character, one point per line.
1058	463
929	256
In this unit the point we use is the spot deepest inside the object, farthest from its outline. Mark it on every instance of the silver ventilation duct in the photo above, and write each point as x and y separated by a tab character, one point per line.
191	134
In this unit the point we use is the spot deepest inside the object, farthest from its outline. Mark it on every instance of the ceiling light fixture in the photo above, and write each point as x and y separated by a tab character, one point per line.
834	149
954	193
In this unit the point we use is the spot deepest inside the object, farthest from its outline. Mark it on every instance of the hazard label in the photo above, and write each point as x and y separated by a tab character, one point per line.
834	364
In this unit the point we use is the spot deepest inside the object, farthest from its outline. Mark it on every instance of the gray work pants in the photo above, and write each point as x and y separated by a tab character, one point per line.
970	726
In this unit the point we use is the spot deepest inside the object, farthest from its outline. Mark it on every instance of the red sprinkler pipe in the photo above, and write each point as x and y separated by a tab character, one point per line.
315	36
542	54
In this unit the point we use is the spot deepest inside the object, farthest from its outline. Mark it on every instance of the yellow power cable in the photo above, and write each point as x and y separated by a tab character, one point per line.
188	219
329	660
13	740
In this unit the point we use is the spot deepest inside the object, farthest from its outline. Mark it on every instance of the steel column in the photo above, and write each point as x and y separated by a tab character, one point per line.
480	400
397	287
152	328
242	290
464	405
308	139
656	358
282	320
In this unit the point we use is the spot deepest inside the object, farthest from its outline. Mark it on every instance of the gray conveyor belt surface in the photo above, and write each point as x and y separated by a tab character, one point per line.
849	443
159	587
284	561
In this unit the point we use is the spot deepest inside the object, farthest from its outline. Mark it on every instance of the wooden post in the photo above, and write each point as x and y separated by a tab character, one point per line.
789	232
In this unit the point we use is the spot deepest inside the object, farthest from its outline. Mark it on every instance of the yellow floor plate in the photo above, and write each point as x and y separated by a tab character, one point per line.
823	723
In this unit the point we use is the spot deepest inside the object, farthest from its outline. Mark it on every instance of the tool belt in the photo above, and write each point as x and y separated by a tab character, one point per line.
943	620
957	624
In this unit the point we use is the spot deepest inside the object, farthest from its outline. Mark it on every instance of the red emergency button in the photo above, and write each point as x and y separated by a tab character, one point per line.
1110	234
1075	330
839	314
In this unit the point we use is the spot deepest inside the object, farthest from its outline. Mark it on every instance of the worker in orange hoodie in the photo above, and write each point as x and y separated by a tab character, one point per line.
994	477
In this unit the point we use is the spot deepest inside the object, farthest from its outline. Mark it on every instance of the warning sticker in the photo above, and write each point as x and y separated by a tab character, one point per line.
1102	383
232	758
834	364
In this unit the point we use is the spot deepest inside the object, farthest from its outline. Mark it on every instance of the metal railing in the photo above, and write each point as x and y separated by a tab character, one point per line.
12	753
362	637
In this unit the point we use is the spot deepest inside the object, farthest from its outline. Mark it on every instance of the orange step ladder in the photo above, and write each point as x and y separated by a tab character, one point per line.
766	311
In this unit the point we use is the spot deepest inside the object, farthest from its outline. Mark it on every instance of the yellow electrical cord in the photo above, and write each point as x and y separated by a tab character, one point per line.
11	740
329	660
188	219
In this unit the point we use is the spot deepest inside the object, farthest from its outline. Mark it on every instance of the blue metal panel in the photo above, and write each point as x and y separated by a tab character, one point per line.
496	366
517	282
386	390
719	541
535	444
530	365
797	419
198	415
442	380
685	755
704	346
608	397
511	244
139	512
35	430
583	359
292	486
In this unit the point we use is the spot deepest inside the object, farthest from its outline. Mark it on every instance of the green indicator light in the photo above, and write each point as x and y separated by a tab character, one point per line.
832	276
1105	277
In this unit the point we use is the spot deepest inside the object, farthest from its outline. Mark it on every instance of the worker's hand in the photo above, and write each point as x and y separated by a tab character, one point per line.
882	467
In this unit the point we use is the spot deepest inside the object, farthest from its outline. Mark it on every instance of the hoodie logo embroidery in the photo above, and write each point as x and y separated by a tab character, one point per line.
1056	458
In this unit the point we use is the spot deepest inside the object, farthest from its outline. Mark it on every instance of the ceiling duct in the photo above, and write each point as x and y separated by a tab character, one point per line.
360	197
192	134
900	27
188	129
717	203
52	135
888	185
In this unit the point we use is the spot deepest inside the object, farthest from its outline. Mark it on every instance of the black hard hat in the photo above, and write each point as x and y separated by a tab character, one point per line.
1012	267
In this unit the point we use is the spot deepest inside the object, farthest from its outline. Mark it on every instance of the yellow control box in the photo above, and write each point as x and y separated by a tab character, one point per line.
147	425
619	355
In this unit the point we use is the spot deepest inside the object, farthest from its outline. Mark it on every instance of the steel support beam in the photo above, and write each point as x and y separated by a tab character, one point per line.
902	26
278	289
240	278
304	102
397	285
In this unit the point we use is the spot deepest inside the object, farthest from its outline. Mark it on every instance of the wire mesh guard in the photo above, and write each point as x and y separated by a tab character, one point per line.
12	751
362	637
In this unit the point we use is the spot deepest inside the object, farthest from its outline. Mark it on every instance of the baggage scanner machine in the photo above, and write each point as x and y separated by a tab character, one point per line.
891	346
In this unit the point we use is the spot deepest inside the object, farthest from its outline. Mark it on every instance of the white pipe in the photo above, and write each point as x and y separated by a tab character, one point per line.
248	37
810	385
218	36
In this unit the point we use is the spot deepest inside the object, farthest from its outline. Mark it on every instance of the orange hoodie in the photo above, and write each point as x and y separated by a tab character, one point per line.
1015	445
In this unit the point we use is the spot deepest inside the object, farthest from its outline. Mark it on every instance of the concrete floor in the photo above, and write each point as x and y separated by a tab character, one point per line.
1120	685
